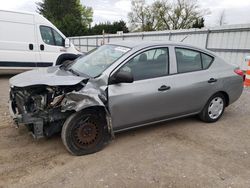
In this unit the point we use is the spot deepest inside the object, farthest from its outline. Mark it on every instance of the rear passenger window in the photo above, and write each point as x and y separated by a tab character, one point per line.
191	60
206	60
188	60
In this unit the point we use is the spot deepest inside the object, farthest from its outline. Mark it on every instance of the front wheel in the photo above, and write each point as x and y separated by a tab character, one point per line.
214	108
84	132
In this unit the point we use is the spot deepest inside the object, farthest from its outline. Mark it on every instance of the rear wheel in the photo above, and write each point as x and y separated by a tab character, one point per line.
84	132
213	109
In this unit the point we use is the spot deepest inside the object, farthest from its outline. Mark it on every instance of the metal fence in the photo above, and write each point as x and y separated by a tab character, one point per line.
232	42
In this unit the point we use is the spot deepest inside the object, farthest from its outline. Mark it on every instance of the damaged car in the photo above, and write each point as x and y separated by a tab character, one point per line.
120	86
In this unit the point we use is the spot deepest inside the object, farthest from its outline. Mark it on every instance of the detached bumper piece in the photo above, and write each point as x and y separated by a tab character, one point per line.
27	119
42	124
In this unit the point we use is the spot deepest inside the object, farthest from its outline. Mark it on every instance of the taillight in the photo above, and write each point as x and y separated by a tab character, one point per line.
240	73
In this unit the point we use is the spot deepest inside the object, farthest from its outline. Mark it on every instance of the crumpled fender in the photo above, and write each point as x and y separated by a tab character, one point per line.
78	101
89	96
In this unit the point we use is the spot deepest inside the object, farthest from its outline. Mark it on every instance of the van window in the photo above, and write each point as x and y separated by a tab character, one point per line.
58	39
51	37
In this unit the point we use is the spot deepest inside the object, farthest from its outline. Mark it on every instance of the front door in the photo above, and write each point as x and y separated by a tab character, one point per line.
145	99
51	45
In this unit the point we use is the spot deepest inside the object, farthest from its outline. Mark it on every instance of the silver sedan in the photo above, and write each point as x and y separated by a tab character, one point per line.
121	86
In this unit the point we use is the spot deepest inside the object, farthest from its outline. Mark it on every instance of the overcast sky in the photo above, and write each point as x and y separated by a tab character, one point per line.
236	11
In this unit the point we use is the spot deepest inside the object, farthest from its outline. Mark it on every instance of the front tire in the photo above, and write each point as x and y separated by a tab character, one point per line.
214	108
84	132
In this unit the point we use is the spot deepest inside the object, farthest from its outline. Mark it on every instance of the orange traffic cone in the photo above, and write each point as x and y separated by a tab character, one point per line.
247	78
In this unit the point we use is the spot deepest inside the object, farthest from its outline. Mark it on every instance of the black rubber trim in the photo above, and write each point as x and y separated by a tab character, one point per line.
24	64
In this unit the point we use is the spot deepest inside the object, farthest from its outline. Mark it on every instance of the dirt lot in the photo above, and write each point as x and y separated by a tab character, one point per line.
181	153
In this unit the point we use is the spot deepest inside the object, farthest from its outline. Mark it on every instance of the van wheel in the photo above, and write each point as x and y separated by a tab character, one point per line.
84	132
214	108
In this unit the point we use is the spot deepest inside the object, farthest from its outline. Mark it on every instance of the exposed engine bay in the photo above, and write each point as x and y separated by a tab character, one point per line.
39	107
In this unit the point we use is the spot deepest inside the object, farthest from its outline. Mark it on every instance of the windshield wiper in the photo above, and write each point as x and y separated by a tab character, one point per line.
73	72
65	65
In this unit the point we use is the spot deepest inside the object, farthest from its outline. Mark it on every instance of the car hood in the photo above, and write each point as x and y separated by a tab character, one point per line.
52	76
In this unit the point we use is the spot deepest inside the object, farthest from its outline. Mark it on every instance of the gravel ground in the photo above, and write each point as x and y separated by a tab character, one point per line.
180	153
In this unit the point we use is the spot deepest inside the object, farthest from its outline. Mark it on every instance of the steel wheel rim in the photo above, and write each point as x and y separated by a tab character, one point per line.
215	108
86	134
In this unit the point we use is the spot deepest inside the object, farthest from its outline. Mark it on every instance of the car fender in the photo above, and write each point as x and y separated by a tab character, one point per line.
87	98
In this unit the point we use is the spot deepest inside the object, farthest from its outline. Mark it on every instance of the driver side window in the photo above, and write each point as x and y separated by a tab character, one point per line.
149	64
51	37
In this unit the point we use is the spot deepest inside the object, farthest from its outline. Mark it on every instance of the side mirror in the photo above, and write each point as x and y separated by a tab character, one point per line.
66	63
66	43
122	77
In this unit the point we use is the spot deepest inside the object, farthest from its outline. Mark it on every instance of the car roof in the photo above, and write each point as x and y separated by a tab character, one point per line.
143	44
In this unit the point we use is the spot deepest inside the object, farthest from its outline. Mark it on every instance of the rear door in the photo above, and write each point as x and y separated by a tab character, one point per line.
193	83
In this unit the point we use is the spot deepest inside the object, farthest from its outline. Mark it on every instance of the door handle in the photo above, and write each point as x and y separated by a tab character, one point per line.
211	80
164	88
42	47
31	46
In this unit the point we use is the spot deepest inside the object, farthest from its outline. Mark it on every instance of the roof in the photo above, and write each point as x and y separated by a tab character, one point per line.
143	44
20	12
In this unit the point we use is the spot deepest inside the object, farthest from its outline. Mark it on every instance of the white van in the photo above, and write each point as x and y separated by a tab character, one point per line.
28	40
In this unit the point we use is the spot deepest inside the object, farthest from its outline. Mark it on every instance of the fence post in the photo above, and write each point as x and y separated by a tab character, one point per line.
142	36
79	43
87	44
169	37
207	38
96	41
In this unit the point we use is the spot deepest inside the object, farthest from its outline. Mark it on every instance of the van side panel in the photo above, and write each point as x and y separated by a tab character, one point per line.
17	35
9	16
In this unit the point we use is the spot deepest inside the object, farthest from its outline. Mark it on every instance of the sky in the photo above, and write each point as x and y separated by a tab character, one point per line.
236	11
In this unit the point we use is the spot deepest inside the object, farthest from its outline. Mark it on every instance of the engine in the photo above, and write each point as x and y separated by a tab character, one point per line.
39	107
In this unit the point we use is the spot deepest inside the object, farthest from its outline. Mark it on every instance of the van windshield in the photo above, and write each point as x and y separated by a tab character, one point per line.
96	62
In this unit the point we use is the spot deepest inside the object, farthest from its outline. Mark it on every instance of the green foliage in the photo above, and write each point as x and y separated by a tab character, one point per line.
108	27
72	18
199	23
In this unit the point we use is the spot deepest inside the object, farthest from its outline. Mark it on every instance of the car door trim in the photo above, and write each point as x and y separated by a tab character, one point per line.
129	127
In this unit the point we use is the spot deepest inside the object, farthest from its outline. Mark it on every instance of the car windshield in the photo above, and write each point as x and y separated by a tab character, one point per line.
99	60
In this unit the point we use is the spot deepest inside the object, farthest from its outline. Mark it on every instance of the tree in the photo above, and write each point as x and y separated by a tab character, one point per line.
108	27
137	17
199	23
165	15
69	16
120	26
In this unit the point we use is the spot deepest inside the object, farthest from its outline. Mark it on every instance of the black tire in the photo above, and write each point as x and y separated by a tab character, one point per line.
84	132
205	114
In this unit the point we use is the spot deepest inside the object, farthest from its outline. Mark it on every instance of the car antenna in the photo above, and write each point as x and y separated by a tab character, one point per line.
184	38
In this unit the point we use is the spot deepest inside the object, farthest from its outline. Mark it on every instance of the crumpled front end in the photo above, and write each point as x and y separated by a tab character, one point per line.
39	107
44	109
